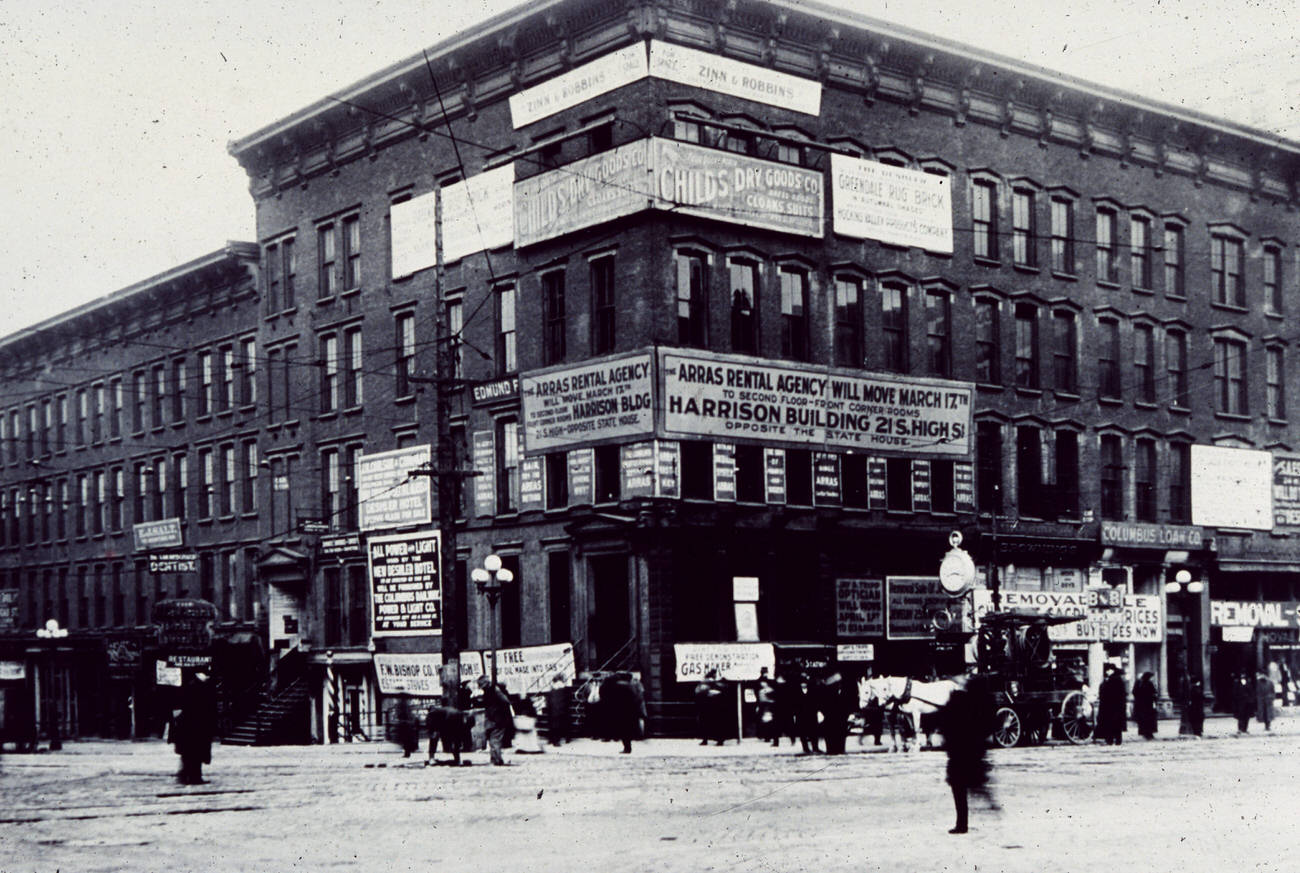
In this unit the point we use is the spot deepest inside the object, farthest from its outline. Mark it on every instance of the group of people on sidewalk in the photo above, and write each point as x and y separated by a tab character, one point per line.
813	712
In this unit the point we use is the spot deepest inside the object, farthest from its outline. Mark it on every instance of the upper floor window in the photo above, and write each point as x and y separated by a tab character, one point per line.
139	403
329	370
1026	345
1145	483
1108	379
1225	270
794	313
1176	367
206	385
1144	362
456	336
1024	239
988	460
507	472
158	393
352	395
848	321
248	495
554	320
506	355
1140	250
984	218
1273	279
327	283
1230	377
1065	352
938	332
893	326
281	269
744	305
178	390
405	342
1276	399
1107	263
1180	483
692	280
1174	260
247	372
1062	235
352	253
207	484
1112	478
603	321
988	341
226	364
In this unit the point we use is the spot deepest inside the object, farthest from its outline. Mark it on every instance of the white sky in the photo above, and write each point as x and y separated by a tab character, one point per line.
115	114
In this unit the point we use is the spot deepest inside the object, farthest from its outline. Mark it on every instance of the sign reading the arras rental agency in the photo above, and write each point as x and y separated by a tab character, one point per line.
608	399
715	396
405	586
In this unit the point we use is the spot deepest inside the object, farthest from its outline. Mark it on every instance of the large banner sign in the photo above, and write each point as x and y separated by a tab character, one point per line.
413	226
608	399
578	85
716	397
477	213
892	204
523	671
1139	620
591	191
388	495
694	180
1232	487
405	583
735	662
418	675
1264	613
701	69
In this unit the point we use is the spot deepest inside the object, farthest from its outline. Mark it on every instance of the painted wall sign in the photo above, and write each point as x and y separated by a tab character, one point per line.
162	534
859	607
911	605
735	662
1267	613
483	451
413	226
602	400
1139	618
477	213
714	396
405	583
1154	536
1232	487
667	465
415	674
582	83
894	205
701	69
1286	490
388	495
584	193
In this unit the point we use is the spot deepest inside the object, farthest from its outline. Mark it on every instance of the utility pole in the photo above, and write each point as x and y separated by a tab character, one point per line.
445	476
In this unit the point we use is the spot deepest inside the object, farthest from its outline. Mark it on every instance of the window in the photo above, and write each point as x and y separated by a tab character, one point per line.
139	404
1180	482
331	491
456	337
180	485
329	373
848	321
938	332
898	484
47	425
226	391
602	305
798	477
1276	383
11	438
65	504
1273	280
158	394
1144	357
1026	346
507	472
984	219
1107	263
750	474
1140	251
554	324
1108	382
507	359
697	470
1112	478
893	326
352	396
1144	480
33	415
83	503
1230	377
988	342
1029	472
744	306
1176	367
229	478
281	267
351	496
557	480
1065	352
60	424
326	257
247	372
685	129
83	412
248	482
206	387
608	483
351	253
160	488
1174	259
692	294
178	390
1066	489
942	489
561	607
405	343
1062	235
207	486
794	313
1024	241
1225	270
988	458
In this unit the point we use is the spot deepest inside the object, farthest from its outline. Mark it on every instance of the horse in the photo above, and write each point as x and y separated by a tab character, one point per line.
904	702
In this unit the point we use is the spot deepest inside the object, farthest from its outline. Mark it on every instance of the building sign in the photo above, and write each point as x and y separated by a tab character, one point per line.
162	534
418	675
637	462
1140	618
878	483
588	192
496	391
165	674
610	399
1155	536
1286	490
405	587
912	604
485	464
1232	487
921	486
894	205
527	670
1234	613
728	397
855	652
724	471
826	479
477	213
582	473
12	671
532	484
388	495
8	608
724	186
414	229
734	662
667	464
604	74
774	475
173	562
963	487
701	69
340	545
859	607
184	625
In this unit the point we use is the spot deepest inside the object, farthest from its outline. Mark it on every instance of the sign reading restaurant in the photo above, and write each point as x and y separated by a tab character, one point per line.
605	400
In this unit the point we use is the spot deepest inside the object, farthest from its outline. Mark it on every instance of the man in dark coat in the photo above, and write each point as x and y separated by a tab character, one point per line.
708	708
559	708
806	716
1244	701
1264	693
1144	705
1194	705
625	708
765	710
498	718
835	708
452	726
193	728
1112	699
966	722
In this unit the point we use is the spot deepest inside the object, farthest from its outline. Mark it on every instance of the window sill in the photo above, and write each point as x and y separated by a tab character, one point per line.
405	399
325	301
350	292
1149	292
1111	401
1232	416
283	313
1108	283
1146	404
1029	392
1065	277
986	261
1180	410
328	416
989	386
1228	307
1271	313
203	418
1278	422
1062	394
353	410
1026	268
248	408
1176	297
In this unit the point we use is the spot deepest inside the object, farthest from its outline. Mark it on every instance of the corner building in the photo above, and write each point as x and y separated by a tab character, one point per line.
745	307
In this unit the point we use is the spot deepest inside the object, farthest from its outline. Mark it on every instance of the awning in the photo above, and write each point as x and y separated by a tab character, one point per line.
1244	565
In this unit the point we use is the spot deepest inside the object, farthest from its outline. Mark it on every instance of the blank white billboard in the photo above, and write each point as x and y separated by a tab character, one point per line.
1232	487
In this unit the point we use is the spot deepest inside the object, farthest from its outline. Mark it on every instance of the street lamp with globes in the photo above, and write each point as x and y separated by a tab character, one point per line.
1183	584
491	579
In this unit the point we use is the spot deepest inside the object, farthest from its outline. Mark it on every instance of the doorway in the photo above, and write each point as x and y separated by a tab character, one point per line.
610	624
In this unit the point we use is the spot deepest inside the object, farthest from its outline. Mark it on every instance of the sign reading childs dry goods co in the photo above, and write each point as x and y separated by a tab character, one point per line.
405	583
603	400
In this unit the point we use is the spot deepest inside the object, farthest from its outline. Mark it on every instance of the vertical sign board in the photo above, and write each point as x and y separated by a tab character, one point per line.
8	608
405	583
859	608
413	227
921	486
724	471
877	482
1232	487
532	491
774	475
485	464
388	495
826	479
963	484
1286	490
638	469
582	477
667	464
911	604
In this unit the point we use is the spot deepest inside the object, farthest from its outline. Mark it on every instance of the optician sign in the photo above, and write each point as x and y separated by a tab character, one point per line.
1232	487
728	397
607	399
895	205
388	495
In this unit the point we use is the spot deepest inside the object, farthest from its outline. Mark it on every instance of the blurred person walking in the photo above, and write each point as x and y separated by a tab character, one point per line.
498	719
966	722
559	709
625	702
1112	700
1264	693
1144	705
193	727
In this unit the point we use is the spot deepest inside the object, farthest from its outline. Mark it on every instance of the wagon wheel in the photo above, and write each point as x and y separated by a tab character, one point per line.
1006	727
1076	717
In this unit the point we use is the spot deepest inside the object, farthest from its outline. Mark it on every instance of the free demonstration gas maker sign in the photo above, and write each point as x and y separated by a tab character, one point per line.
405	583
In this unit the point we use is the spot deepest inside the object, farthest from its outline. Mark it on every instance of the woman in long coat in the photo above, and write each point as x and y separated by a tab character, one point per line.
1111	701
1144	705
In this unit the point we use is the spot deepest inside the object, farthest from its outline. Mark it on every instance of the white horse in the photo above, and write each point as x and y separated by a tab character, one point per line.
904	701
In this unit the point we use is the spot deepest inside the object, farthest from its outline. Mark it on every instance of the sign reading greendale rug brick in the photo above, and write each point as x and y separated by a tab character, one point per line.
603	400
895	205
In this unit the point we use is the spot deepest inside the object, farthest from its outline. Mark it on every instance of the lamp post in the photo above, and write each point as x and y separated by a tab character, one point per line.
51	631
1181	587
491	579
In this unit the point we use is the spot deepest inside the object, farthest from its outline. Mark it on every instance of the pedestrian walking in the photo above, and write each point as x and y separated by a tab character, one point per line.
765	709
498	719
873	719
193	727
808	717
835	708
709	701
1264	691
451	726
1112	700
406	729
625	707
1244	701
966	722
1194	705
559	709
1144	705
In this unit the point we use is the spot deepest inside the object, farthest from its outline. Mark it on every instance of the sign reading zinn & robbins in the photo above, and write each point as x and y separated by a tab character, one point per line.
162	534
1136	534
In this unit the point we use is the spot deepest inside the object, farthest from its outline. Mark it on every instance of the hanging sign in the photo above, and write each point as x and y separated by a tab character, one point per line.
610	399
